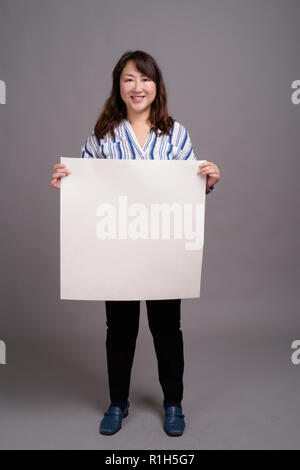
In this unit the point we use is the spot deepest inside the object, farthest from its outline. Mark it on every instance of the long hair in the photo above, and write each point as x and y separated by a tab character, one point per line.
114	109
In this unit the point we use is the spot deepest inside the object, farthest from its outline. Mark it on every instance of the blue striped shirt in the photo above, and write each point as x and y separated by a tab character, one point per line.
125	145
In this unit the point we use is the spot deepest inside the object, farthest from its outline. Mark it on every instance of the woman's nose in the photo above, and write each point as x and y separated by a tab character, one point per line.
138	87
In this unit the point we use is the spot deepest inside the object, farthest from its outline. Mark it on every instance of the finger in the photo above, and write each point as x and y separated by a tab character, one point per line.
205	171
58	175
207	166
210	167
203	165
59	165
62	171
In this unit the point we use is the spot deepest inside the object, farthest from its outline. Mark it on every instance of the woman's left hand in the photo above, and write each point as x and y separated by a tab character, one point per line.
211	170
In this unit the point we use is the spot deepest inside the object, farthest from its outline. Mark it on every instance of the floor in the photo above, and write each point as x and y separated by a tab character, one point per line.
241	391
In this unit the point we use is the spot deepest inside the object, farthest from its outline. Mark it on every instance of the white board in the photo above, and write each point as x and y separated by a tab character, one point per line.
131	229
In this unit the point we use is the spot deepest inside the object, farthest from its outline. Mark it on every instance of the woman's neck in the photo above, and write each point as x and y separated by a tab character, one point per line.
139	119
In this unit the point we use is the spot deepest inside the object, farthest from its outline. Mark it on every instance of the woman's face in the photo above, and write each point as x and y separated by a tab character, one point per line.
137	90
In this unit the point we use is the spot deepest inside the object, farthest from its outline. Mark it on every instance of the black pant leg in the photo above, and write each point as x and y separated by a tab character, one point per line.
164	323
122	320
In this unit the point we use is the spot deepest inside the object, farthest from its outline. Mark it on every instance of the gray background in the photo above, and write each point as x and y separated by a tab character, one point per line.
228	67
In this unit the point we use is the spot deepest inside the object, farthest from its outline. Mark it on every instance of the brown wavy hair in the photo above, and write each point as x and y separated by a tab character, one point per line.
114	109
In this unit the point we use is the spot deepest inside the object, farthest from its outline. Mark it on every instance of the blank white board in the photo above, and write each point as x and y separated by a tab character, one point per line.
131	229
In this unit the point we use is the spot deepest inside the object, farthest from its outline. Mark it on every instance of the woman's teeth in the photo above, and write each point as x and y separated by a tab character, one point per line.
137	99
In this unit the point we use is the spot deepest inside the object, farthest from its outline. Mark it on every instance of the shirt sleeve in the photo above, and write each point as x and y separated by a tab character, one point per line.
187	152
210	189
92	147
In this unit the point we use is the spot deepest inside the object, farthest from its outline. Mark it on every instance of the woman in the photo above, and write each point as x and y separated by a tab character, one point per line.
135	124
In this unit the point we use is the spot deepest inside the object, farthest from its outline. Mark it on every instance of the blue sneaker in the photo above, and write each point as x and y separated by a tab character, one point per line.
174	421
112	421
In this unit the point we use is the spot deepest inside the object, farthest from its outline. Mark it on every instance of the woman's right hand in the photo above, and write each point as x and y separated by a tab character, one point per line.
59	170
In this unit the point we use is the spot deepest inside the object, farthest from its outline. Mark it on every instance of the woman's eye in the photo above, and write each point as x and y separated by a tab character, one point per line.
128	79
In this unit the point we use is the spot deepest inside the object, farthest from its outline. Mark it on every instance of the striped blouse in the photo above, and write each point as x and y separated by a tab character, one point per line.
125	145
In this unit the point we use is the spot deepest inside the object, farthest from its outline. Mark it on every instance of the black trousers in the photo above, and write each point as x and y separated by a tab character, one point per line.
122	330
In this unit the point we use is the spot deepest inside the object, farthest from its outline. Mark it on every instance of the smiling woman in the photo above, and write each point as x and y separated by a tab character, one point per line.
138	94
136	88
135	124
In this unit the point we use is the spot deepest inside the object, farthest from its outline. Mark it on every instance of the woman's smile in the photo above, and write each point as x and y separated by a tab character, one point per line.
137	99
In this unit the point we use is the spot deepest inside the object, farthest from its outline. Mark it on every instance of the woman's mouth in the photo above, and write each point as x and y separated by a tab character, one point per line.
137	99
